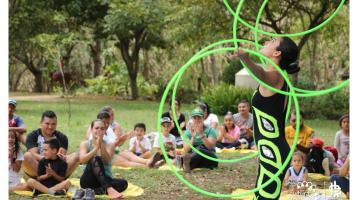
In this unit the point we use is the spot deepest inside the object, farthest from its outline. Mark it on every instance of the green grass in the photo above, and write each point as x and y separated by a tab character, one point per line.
156	184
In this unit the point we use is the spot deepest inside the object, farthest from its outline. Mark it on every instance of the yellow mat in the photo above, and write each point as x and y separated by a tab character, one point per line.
285	195
131	191
243	151
318	177
29	193
118	167
240	190
166	167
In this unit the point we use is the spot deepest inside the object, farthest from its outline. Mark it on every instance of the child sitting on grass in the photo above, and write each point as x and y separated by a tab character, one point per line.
297	172
15	159
140	145
341	141
229	133
168	140
51	172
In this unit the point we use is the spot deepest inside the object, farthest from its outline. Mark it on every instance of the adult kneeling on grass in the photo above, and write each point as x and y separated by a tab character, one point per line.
35	146
202	138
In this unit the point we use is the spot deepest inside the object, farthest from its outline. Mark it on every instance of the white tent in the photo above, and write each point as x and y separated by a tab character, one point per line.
243	79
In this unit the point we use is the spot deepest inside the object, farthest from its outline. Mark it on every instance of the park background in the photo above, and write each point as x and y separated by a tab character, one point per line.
76	56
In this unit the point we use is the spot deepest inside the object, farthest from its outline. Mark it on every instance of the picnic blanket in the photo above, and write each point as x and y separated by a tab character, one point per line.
131	191
286	195
243	151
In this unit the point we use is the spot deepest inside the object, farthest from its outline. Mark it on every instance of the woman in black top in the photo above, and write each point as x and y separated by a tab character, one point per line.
269	109
180	117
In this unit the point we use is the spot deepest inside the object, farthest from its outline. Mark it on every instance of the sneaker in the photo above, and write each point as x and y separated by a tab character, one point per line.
60	193
159	163
155	159
186	162
89	194
78	194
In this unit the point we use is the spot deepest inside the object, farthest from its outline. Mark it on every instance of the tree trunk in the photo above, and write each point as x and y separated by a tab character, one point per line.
145	71
199	80
134	86
39	87
17	80
214	72
96	56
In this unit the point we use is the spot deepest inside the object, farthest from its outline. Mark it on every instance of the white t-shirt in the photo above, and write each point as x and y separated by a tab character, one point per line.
109	137
145	144
14	177
169	141
341	143
296	177
211	118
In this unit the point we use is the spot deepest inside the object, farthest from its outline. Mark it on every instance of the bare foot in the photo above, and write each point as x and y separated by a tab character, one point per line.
114	194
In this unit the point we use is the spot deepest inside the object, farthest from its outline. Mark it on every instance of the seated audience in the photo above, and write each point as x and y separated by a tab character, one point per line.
15	159
51	172
35	146
97	176
203	138
139	144
229	134
341	141
15	122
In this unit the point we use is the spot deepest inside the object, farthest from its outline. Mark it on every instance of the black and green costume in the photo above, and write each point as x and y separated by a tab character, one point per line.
269	133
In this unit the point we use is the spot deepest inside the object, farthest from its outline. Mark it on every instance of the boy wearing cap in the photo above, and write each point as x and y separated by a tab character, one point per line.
169	140
202	138
15	122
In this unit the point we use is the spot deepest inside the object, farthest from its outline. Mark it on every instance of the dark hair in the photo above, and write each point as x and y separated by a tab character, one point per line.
289	55
342	118
228	113
53	144
140	125
17	147
314	160
302	113
177	100
204	106
48	114
106	109
245	102
94	121
103	115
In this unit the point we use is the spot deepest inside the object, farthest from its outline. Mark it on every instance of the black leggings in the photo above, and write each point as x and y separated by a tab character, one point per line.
222	145
197	161
94	177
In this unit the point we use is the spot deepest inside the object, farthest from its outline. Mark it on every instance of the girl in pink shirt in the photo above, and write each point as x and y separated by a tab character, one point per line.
229	133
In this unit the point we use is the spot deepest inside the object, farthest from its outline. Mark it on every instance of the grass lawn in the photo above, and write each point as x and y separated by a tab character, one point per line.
156	184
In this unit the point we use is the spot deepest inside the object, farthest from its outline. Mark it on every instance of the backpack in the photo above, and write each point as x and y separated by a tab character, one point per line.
314	160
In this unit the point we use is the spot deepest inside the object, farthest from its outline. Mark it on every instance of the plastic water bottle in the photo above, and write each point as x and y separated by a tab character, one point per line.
178	158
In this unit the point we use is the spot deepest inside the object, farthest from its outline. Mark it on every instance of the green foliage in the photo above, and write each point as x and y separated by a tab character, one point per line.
114	82
228	76
145	88
127	20
224	97
329	106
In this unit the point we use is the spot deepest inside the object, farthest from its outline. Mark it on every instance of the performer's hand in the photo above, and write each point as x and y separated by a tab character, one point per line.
239	53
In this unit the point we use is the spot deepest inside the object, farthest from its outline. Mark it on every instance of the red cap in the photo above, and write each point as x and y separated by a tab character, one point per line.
318	142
